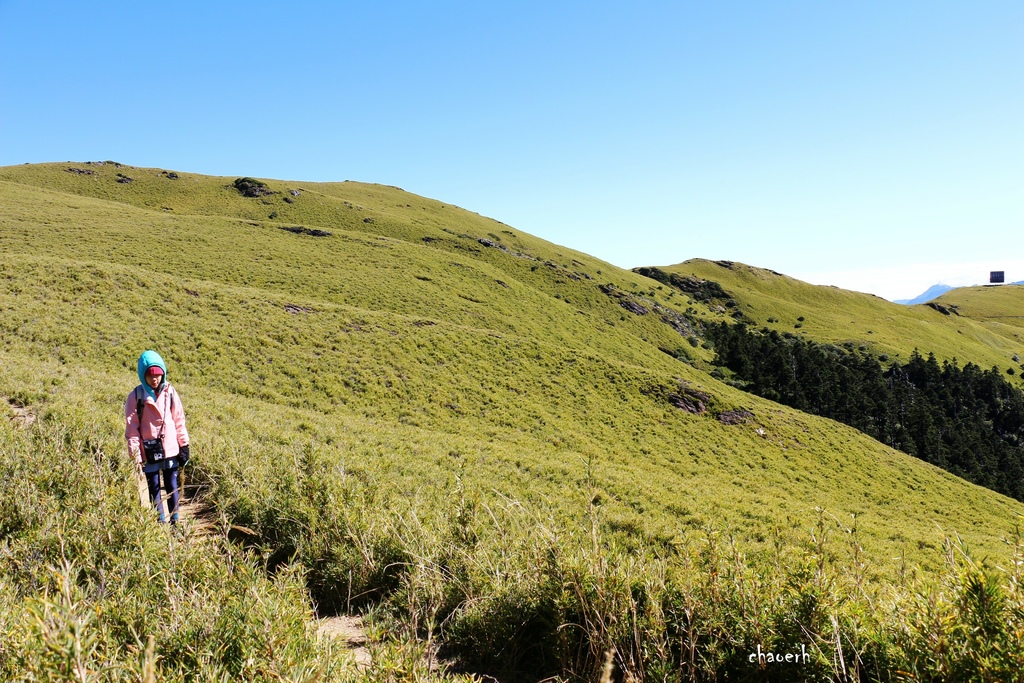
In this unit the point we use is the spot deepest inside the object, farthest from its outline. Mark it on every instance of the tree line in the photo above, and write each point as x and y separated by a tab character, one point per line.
966	420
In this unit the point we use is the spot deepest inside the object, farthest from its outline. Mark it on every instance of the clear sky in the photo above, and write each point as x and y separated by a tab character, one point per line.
878	146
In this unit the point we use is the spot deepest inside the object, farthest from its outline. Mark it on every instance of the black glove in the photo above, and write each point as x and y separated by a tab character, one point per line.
183	454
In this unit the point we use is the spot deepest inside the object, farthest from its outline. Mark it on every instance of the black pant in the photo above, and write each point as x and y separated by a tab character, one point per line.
170	486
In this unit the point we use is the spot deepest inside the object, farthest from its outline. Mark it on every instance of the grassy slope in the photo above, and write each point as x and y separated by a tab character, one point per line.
411	364
839	316
999	308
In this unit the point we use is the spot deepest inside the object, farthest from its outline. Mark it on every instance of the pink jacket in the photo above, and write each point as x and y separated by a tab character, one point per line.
155	415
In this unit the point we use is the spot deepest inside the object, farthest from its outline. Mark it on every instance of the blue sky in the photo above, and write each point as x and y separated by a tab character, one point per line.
877	146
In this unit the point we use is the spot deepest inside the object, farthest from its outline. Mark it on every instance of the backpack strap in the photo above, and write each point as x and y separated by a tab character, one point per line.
138	413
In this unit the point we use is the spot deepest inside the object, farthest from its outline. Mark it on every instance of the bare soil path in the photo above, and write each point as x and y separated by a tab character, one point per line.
348	630
195	513
198	519
23	417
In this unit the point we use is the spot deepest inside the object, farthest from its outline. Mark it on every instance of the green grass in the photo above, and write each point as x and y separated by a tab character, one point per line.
388	412
842	317
520	376
95	591
999	308
91	591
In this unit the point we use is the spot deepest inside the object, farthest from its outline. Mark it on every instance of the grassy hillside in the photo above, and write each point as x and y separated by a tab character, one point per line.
997	307
981	331
425	398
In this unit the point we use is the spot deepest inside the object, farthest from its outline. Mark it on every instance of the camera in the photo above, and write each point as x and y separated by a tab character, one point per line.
154	450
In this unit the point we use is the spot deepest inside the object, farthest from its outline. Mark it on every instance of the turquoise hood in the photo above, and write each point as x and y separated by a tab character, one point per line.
147	360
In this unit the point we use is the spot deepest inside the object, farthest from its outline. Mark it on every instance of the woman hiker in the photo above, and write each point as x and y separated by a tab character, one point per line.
155	431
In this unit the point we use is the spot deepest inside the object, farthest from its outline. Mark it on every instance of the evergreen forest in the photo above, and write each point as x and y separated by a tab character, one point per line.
965	420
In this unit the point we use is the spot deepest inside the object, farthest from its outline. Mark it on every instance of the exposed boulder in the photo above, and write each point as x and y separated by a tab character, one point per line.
938	307
700	290
633	307
493	245
623	299
734	417
676	321
250	187
312	232
690	400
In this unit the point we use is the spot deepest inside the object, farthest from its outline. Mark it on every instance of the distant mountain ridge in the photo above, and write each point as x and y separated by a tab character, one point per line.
933	292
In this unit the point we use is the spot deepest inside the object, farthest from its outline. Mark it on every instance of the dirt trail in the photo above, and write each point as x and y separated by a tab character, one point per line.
348	630
195	513
23	417
199	521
